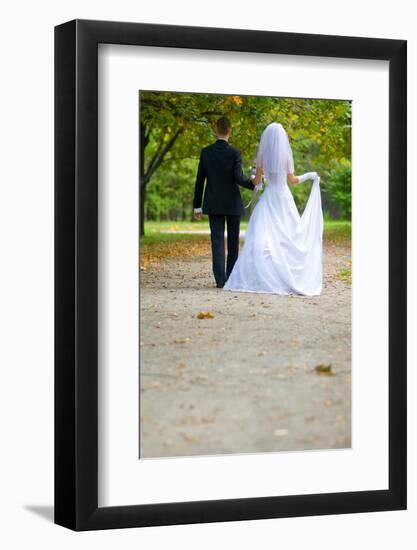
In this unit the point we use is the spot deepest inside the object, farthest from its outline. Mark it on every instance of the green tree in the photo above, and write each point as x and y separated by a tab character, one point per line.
175	126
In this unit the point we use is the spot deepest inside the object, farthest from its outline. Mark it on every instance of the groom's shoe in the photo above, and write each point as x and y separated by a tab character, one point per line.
220	286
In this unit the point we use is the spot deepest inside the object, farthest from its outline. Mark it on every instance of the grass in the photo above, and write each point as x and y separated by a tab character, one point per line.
154	247
175	227
168	231
337	231
164	239
345	275
155	237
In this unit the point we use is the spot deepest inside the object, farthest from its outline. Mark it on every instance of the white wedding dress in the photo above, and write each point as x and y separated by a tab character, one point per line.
282	253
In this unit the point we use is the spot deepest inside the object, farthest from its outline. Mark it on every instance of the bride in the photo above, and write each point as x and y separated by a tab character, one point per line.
282	253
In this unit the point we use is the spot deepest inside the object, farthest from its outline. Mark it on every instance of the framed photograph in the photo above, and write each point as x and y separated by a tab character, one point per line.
230	275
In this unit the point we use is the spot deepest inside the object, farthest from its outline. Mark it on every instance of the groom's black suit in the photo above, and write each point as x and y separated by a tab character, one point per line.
221	165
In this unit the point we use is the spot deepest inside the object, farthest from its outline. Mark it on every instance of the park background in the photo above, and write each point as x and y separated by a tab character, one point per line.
174	127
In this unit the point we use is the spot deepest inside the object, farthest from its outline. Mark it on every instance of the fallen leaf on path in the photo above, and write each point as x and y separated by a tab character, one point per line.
189	438
324	370
155	253
207	419
281	432
196	421
199	378
328	403
205	315
261	353
155	385
294	343
182	341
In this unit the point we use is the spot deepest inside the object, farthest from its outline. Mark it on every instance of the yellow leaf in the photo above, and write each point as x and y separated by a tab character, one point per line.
205	315
281	432
324	370
182	341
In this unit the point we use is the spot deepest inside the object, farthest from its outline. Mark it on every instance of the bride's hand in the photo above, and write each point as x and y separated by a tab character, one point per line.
307	176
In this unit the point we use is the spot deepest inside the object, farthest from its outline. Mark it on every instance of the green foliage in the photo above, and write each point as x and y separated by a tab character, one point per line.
170	191
338	191
175	126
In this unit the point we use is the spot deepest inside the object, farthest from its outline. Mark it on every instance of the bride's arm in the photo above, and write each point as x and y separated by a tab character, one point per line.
300	179
292	179
258	177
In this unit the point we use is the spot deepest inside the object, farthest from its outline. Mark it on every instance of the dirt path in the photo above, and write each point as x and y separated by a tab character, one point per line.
244	381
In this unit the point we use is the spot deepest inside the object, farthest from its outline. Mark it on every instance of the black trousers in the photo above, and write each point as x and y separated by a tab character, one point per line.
221	268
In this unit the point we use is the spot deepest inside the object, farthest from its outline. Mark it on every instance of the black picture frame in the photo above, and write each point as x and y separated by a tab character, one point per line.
76	273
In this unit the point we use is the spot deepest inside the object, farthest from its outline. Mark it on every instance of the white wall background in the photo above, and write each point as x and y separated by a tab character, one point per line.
26	274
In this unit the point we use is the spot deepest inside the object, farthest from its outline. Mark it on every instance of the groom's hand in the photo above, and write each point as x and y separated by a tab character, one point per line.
198	216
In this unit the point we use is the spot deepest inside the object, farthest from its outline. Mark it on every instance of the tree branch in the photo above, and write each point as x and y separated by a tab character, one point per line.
159	156
155	157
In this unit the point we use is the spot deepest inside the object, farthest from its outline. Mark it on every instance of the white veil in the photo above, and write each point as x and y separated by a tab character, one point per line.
274	152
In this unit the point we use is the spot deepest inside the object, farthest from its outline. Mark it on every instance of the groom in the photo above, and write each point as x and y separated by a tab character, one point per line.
221	166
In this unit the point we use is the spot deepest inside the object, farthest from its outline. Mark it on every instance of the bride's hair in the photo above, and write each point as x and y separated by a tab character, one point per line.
274	152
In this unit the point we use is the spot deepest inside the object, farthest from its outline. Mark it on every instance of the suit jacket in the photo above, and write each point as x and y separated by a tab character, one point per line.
221	165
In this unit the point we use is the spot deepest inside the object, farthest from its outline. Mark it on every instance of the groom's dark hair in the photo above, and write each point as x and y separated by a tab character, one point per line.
223	126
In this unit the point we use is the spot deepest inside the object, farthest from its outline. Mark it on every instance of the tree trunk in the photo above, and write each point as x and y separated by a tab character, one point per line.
145	177
142	185
142	197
